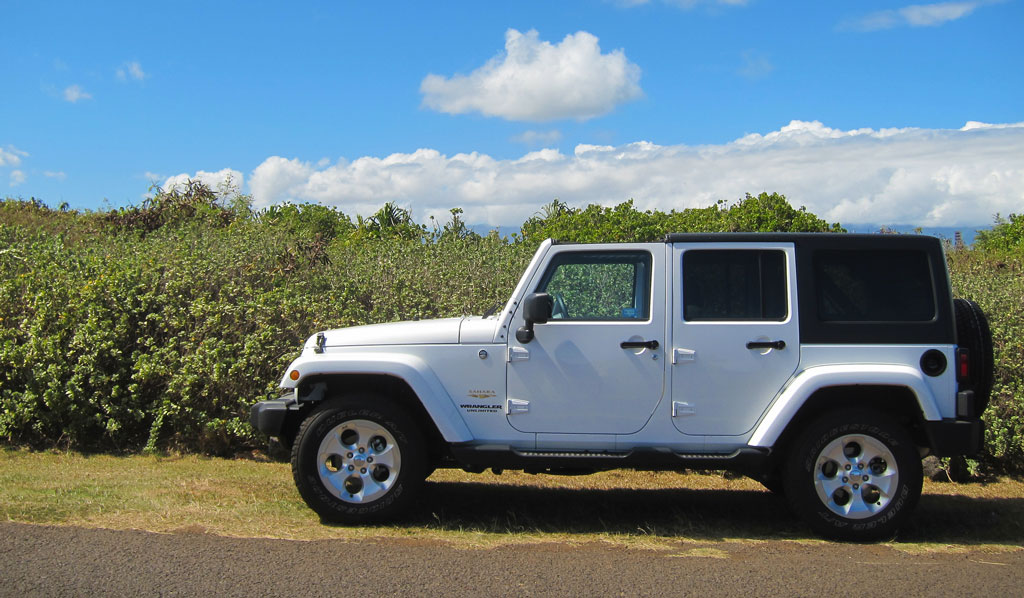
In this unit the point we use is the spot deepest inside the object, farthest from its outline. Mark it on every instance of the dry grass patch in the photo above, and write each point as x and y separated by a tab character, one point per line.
647	510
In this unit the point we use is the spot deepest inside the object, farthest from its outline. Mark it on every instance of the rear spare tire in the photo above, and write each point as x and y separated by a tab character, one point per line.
973	334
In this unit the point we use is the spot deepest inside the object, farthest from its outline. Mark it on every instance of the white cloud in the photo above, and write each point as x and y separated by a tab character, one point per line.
74	93
224	181
917	15
930	15
11	156
131	70
51	174
276	176
538	138
926	177
534	80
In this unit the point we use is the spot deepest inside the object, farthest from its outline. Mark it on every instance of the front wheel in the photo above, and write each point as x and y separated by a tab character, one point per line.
358	459
854	475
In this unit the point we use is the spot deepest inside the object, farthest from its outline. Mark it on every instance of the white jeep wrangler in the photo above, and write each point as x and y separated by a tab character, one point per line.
824	365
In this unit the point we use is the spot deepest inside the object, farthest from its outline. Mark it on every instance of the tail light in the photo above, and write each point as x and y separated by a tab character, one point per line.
963	365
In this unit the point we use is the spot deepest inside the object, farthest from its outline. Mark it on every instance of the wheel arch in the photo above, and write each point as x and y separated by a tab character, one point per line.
394	387
898	402
408	375
898	391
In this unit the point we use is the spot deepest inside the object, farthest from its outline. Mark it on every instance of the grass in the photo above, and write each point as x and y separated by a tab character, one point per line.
256	498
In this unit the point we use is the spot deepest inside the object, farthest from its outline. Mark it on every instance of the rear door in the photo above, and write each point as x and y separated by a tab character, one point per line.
735	334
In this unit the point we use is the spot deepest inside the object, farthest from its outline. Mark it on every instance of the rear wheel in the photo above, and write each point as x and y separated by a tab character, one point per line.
854	475
358	459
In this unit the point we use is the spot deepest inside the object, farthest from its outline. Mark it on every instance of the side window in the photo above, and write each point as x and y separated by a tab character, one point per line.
727	284
606	285
874	286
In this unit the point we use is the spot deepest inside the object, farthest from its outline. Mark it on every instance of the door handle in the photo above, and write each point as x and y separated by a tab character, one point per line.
766	345
652	345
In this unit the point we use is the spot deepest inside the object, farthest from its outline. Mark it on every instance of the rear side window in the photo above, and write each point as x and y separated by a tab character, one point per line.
732	284
607	285
874	286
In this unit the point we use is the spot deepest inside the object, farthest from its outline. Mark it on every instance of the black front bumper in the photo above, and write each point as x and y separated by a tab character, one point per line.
270	416
953	437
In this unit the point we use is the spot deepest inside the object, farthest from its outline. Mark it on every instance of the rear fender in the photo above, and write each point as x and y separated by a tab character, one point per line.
785	408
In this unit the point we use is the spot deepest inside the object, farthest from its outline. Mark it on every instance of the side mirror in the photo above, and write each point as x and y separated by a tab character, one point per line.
536	310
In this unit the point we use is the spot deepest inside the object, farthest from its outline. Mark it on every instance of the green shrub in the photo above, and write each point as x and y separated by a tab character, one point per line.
158	326
995	279
763	213
1007	235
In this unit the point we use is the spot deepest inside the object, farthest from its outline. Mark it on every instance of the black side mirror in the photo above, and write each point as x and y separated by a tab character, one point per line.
536	310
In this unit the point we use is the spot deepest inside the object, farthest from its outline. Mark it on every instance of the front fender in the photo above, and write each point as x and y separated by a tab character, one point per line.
413	370
785	408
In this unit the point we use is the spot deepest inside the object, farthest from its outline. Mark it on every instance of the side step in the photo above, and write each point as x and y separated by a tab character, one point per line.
571	454
746	459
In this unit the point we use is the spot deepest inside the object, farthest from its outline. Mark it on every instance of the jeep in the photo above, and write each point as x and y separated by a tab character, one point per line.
824	365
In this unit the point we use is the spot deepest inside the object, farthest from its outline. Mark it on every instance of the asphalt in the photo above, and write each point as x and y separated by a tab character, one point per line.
68	561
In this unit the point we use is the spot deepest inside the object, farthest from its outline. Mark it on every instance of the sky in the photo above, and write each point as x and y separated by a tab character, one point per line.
864	111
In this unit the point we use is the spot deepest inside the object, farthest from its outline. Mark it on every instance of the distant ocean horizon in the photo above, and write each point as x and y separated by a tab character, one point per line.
967	233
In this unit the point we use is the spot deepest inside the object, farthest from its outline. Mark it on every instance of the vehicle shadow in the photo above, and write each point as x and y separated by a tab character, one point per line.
697	514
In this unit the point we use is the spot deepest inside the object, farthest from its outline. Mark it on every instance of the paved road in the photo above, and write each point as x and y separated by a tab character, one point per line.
67	561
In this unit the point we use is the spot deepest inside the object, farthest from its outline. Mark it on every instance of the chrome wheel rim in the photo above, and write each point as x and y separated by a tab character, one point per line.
359	461
856	476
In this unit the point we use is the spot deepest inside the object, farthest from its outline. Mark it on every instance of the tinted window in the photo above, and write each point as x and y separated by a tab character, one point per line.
874	286
734	285
599	285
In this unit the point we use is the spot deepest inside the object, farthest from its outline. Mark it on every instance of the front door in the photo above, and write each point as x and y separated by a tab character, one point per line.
576	376
735	339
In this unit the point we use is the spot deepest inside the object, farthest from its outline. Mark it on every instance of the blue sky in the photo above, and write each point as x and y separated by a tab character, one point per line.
863	111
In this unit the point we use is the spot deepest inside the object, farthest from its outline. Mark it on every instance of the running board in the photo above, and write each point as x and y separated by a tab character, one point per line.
710	456
571	454
654	459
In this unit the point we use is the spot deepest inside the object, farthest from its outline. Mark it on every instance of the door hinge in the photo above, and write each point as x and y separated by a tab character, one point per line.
514	406
518	354
683	355
681	409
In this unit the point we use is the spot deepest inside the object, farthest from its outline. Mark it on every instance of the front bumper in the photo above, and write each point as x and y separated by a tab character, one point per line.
270	416
953	437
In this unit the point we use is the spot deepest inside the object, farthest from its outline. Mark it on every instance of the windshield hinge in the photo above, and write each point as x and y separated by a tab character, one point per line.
518	354
514	406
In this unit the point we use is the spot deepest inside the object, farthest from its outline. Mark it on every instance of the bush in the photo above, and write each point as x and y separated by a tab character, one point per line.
158	326
995	279
1007	235
764	213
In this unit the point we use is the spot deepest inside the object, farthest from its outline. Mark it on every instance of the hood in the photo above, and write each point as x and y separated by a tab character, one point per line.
422	332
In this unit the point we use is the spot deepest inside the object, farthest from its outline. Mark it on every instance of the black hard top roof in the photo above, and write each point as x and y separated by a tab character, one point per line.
817	239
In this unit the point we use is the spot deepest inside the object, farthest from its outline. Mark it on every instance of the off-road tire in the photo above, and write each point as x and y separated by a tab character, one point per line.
974	334
345	445
859	461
